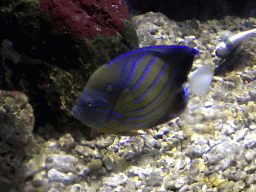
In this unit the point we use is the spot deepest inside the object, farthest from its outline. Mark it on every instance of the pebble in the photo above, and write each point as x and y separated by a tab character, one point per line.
124	140
83	170
150	141
134	182
118	189
154	179
62	163
252	188
181	162
115	179
67	141
252	127
174	182
208	103
197	150
250	140
240	134
227	129
87	151
76	188
249	155
110	164
163	129
137	171
40	179
223	154
194	170
102	142
55	175
96	164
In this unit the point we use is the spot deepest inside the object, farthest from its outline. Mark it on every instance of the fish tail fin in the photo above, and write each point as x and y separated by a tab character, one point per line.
200	80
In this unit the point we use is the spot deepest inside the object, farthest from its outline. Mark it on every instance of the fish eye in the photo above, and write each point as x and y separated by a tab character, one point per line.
109	88
89	103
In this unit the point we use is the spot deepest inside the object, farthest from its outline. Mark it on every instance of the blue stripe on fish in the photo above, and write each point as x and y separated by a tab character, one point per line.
111	118
135	118
145	71
117	114
133	67
166	85
158	77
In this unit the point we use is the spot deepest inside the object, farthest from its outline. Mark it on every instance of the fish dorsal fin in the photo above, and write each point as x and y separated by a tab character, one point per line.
200	80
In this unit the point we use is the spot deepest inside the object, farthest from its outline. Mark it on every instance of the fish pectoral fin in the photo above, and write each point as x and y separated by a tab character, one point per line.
200	80
124	104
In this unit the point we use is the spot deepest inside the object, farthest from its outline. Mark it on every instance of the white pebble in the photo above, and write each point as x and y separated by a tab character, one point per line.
55	175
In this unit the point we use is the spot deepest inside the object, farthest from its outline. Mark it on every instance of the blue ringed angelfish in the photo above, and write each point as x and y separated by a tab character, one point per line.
137	90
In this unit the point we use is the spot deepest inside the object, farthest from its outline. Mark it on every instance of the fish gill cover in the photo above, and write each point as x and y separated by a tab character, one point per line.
86	18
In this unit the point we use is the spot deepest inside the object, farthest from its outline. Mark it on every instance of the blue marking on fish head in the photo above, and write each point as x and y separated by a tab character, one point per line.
99	95
92	109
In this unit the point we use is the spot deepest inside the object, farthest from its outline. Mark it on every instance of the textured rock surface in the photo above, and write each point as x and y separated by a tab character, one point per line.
16	126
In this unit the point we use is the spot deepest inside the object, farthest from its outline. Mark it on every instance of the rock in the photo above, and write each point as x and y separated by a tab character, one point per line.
40	179
57	176
76	188
224	154
110	164
87	152
240	134
62	163
154	29
154	179
252	188
231	186
132	185
249	155
233	174
115	179
16	116
194	170
149	141
250	140
83	169
16	126
174	181
67	141
197	150
96	164
102	142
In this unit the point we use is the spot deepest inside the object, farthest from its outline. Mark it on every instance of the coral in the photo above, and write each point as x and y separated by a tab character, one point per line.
86	18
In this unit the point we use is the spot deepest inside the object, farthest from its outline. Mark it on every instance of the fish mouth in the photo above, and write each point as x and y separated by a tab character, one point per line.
93	114
76	113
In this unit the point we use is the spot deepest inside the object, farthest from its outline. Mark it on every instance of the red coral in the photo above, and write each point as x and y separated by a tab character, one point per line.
86	18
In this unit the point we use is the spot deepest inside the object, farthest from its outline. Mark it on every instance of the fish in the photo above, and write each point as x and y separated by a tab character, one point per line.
141	89
232	43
